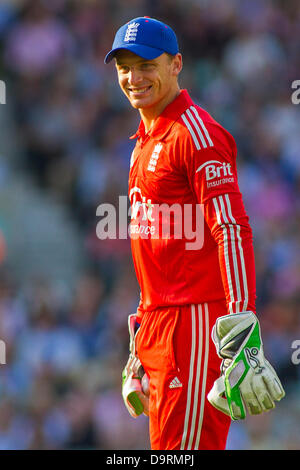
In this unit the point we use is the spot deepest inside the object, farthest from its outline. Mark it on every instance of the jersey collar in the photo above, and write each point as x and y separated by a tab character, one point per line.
167	118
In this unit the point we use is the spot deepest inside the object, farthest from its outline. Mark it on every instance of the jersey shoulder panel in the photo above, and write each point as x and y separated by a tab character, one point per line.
205	131
206	152
195	128
196	131
197	136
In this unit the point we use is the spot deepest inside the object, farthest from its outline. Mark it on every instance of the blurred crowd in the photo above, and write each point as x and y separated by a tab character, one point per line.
60	388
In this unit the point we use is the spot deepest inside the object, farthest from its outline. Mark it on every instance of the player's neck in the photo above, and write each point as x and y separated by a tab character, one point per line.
149	115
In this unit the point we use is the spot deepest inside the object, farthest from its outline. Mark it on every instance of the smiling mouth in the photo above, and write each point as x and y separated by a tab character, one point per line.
139	91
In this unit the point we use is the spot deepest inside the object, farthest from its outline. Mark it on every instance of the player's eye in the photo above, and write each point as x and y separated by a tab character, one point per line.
123	68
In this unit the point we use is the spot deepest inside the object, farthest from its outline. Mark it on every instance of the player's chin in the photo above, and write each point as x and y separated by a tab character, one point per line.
145	102
140	103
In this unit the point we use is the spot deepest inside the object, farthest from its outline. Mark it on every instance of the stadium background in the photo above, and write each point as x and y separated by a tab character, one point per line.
64	294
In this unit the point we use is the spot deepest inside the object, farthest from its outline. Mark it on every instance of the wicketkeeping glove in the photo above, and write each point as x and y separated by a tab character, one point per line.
135	383
247	379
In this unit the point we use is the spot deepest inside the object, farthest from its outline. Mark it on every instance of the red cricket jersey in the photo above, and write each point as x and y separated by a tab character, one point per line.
190	235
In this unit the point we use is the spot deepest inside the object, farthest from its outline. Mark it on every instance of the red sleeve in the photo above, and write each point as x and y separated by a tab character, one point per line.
212	174
226	217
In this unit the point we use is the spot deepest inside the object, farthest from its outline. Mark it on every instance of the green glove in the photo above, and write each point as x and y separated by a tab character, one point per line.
248	381
135	384
132	389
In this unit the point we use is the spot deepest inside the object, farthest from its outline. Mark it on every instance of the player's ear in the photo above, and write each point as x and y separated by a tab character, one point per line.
177	64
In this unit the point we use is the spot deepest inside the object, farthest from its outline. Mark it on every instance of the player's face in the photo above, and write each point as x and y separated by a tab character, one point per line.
147	83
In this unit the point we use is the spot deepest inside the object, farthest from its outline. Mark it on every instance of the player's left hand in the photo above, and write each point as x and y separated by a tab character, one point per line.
135	382
135	387
248	381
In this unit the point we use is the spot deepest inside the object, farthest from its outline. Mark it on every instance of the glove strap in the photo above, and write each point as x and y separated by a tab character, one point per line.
218	399
133	327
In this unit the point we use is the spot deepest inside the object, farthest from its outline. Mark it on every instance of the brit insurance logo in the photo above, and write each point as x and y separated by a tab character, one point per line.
216	173
131	32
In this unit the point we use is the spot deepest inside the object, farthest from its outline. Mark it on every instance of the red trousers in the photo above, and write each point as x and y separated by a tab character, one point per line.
175	347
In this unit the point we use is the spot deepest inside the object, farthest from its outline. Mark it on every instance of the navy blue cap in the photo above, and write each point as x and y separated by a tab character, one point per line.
146	37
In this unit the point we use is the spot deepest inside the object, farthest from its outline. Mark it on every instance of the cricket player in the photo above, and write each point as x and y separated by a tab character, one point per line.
196	356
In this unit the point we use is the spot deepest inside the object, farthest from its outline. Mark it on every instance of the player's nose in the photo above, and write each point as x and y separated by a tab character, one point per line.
134	76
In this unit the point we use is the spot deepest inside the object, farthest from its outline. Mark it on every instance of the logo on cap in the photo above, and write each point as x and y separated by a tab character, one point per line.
131	32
